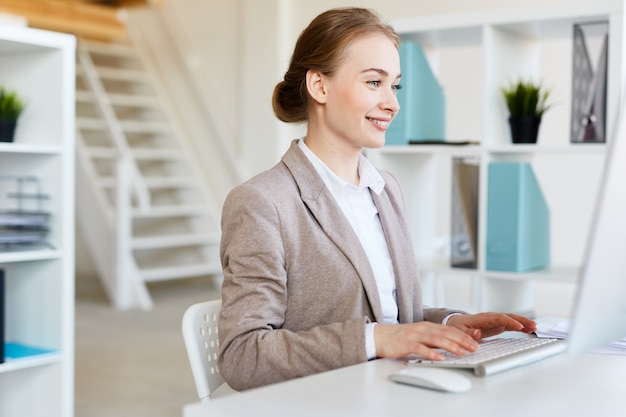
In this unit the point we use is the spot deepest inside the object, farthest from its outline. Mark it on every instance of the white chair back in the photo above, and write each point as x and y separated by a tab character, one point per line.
201	341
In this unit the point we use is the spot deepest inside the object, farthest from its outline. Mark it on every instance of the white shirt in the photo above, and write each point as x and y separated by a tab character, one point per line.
359	208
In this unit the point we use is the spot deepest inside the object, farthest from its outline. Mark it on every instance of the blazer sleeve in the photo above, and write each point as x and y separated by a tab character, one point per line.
255	346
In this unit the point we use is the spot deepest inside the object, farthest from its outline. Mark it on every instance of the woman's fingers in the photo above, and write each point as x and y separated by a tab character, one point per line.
394	341
491	324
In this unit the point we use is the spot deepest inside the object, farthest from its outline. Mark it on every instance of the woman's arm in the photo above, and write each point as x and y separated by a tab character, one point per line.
256	346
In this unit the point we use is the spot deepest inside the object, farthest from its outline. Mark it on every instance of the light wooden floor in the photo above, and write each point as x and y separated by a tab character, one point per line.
133	363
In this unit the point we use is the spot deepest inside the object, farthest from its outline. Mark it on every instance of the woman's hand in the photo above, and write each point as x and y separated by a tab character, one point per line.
491	324
398	340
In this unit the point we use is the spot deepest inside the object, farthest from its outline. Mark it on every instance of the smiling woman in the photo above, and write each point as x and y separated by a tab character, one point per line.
319	270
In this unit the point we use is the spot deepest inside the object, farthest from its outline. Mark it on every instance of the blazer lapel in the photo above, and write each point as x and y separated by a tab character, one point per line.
401	252
328	214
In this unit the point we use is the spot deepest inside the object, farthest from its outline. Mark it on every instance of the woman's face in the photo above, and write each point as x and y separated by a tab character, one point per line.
361	94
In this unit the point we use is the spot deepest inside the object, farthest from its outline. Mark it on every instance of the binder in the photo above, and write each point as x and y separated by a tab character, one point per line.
422	103
518	219
464	219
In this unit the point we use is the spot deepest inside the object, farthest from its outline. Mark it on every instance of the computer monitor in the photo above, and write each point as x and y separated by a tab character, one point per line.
599	315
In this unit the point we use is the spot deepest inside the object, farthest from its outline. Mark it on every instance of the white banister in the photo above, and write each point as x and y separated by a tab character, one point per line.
113	126
130	291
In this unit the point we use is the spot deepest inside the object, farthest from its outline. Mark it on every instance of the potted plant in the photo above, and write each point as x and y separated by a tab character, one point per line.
11	106
526	101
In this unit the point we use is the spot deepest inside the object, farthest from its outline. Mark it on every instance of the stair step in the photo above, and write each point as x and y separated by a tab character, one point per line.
182	271
134	101
155	182
111	49
118	74
101	152
90	123
145	127
121	100
143	154
169	182
149	154
171	211
83	96
159	242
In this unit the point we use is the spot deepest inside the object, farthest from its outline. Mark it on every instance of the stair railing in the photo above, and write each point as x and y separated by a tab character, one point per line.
139	187
131	291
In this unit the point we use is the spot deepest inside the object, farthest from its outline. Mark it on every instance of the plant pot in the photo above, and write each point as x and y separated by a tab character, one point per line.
7	130
524	129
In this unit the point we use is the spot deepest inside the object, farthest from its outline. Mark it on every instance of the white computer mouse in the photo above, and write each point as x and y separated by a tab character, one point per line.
433	378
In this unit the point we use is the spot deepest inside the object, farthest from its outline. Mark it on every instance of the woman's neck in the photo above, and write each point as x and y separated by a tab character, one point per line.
343	162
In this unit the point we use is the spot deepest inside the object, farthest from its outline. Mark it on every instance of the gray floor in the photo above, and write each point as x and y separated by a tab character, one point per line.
133	363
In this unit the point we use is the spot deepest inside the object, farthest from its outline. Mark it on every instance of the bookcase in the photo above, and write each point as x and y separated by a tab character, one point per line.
473	56
39	279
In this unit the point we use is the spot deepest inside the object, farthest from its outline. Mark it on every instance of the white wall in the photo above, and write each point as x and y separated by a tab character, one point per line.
214	27
235	43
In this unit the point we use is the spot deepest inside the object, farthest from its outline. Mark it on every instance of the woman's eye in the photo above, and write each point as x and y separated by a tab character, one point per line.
396	87
375	83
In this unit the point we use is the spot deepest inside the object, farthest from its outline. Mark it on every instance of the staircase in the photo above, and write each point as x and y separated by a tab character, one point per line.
144	209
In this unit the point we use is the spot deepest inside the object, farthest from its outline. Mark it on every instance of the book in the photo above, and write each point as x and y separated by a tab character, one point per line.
14	351
23	218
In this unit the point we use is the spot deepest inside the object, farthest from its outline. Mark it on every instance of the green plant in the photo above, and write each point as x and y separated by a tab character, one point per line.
525	98
11	105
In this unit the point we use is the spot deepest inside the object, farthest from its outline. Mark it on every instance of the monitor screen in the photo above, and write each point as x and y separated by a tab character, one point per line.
599	315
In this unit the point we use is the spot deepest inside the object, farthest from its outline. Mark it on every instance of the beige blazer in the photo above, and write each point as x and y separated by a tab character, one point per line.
298	287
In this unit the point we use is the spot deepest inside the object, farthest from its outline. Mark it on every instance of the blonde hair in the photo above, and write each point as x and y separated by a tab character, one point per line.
321	47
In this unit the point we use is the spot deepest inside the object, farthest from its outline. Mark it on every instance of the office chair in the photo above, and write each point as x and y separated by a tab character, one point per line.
201	341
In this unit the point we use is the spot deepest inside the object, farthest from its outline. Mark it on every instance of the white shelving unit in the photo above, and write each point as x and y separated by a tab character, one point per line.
39	293
473	56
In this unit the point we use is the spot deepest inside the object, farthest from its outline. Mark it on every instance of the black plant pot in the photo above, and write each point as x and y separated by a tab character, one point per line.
7	130
524	129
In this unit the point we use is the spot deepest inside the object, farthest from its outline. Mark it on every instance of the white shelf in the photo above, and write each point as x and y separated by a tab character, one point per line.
478	150
29	255
569	149
454	150
28	362
555	273
473	55
30	149
39	282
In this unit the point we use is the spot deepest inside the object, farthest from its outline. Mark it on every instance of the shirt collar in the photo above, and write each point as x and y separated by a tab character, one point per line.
368	175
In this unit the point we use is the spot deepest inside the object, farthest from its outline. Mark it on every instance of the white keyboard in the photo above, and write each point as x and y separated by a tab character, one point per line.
497	355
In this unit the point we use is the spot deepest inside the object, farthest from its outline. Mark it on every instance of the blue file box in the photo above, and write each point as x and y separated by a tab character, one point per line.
421	98
518	219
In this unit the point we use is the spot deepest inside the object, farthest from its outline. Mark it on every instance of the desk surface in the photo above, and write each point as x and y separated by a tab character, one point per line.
590	385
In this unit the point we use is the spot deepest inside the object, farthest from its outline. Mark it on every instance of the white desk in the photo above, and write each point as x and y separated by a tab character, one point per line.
591	385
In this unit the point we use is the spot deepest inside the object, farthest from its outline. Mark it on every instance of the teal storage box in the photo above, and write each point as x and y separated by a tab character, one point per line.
422	103
518	219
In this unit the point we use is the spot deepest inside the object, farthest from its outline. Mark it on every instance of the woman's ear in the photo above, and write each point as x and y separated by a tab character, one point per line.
316	86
